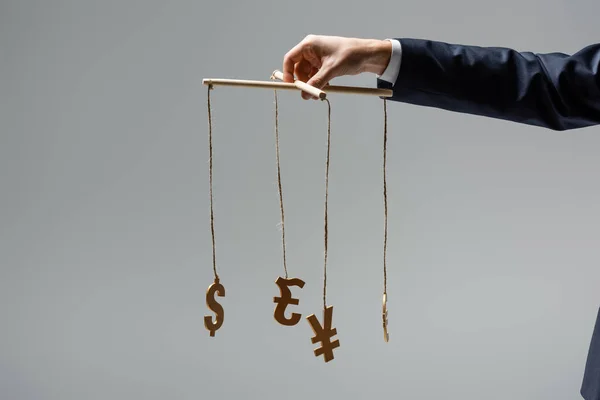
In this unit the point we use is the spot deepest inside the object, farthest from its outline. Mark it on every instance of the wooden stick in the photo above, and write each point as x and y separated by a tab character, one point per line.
302	86
344	89
291	86
246	83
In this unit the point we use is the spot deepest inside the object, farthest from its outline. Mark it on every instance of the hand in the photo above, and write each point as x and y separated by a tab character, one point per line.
318	59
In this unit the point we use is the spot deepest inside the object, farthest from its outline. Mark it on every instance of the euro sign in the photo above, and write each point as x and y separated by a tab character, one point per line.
324	334
286	299
215	307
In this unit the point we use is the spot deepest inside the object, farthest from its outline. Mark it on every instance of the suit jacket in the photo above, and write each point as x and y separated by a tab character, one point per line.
556	90
590	389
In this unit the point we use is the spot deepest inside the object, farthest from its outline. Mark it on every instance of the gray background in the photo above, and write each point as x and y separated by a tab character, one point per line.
104	234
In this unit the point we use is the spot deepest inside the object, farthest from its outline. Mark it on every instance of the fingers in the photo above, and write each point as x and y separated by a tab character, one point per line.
302	70
307	61
289	61
307	50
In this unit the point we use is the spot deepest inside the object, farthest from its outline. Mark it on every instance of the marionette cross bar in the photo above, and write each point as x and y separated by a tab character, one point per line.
298	85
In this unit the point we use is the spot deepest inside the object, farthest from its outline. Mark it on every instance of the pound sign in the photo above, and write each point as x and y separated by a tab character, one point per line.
285	299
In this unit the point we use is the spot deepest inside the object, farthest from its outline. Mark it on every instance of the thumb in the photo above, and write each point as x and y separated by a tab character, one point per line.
320	79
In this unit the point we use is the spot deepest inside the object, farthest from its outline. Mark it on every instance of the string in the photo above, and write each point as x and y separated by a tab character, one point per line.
326	197
385	235
279	184
212	217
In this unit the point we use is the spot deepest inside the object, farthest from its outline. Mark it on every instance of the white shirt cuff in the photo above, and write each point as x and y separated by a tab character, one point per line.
391	72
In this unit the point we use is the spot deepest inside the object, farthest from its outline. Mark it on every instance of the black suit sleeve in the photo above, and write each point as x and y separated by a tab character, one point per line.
556	90
590	388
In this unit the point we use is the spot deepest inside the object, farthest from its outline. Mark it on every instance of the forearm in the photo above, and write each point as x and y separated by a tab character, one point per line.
376	55
556	91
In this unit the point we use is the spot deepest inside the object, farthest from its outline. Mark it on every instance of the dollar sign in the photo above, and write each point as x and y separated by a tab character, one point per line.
214	306
285	299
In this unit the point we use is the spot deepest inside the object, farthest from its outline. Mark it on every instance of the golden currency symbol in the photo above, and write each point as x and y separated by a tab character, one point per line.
324	334
386	336
214	306
286	299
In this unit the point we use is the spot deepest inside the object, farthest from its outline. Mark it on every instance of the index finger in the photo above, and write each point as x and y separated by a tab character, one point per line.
289	61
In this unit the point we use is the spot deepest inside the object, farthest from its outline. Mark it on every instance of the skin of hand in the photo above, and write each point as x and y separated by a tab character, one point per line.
318	59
